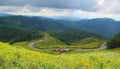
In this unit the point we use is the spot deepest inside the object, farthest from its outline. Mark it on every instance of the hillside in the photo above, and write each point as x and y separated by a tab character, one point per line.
19	58
11	35
104	26
50	42
75	38
59	34
72	35
32	23
88	43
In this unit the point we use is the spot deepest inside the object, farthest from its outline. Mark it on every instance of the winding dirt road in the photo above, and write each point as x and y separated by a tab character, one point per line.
103	46
32	45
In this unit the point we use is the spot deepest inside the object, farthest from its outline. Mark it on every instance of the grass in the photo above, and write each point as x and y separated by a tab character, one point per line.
24	44
12	57
50	42
88	43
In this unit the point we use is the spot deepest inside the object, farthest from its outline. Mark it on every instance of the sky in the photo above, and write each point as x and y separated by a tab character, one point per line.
63	8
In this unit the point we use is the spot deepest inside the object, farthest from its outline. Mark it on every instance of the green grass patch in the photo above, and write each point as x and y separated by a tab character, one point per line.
88	43
50	42
24	44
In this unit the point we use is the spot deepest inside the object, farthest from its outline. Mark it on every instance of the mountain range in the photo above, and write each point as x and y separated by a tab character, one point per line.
104	26
32	23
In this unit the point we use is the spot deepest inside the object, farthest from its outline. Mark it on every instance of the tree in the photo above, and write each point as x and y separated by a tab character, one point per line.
114	42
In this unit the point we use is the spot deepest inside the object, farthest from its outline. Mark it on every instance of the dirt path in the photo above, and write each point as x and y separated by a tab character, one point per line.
32	45
103	46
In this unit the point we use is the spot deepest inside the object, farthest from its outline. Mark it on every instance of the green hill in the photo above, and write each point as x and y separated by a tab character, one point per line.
49	42
72	35
12	35
76	38
105	26
32	23
88	43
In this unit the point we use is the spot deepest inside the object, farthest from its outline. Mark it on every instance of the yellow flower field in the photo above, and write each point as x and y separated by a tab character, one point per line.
19	58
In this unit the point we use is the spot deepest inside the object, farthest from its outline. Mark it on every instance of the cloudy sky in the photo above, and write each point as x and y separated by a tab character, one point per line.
63	8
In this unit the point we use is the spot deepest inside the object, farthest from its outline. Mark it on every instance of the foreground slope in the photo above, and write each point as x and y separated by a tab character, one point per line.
19	58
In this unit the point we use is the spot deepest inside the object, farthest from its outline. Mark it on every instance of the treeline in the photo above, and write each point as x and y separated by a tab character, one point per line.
12	35
114	42
71	35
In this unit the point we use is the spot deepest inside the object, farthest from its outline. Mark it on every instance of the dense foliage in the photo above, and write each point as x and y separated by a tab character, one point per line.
32	23
104	26
71	35
14	35
114	42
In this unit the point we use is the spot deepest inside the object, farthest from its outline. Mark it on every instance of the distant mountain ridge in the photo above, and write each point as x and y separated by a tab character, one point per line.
104	26
4	14
32	23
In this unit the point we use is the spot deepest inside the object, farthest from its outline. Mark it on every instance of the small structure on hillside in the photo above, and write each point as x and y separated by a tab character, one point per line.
62	50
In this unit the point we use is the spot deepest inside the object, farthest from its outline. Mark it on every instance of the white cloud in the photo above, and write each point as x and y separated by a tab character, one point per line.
108	6
100	2
40	12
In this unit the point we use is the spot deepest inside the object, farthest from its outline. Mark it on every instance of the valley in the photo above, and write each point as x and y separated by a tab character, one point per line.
45	43
59	34
73	47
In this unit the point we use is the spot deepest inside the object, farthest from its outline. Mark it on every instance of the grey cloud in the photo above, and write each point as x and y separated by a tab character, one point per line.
85	5
109	6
